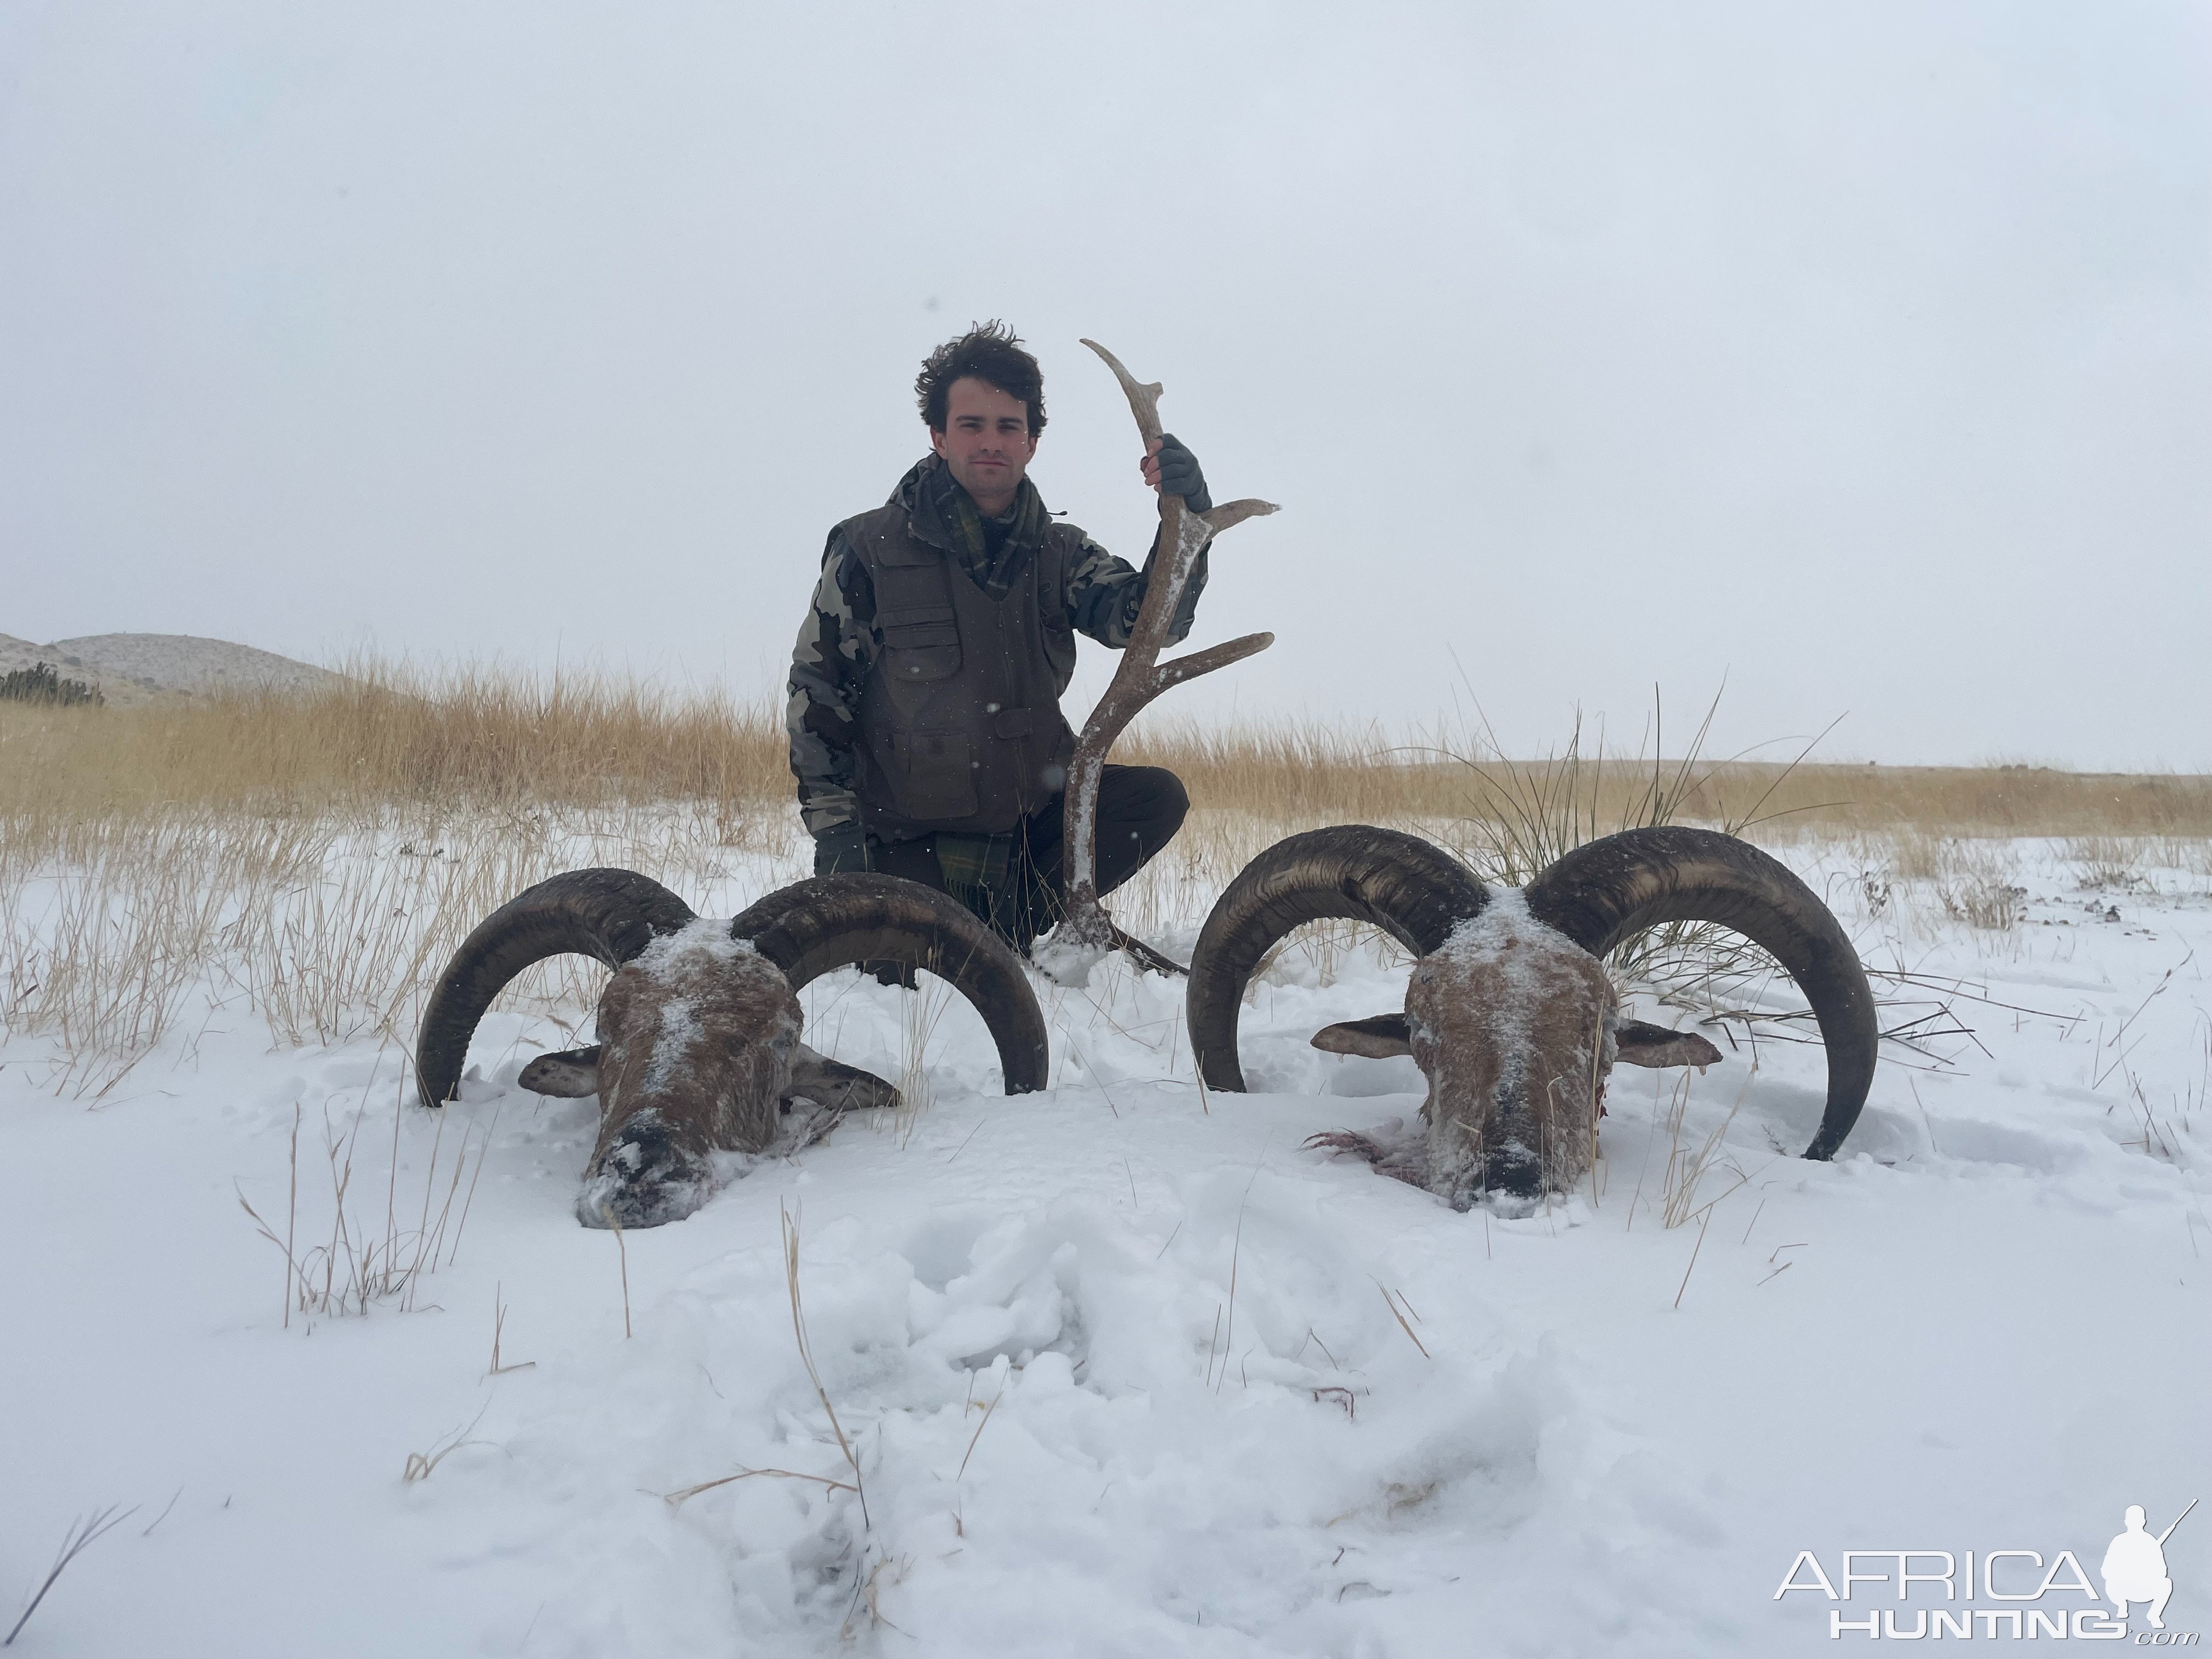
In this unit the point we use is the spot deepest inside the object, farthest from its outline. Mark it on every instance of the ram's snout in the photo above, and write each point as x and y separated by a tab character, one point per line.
644	1177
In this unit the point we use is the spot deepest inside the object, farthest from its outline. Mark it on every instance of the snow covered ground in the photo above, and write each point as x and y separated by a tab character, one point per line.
1124	1370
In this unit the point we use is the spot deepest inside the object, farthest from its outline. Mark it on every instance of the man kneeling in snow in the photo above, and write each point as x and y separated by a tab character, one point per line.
925	722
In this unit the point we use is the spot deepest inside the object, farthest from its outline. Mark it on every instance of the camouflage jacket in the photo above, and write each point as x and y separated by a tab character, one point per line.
838	642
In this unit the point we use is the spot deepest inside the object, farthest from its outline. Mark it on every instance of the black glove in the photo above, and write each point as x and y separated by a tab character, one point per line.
1179	474
840	850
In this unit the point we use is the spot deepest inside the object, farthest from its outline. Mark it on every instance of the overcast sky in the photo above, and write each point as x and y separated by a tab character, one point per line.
1859	352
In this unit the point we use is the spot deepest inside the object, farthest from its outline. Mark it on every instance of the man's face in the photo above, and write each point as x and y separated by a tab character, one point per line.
986	441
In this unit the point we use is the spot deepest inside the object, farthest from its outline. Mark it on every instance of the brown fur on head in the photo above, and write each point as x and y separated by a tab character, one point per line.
1508	1023
696	1037
1516	1027
699	1054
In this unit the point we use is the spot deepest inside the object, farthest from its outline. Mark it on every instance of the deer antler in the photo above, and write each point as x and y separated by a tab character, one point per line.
1086	932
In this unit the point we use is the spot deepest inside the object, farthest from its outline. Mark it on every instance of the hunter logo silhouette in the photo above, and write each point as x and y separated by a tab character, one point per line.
2134	1566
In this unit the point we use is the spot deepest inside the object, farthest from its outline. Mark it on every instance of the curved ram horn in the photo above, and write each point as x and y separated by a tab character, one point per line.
815	926
611	915
1414	891
1601	893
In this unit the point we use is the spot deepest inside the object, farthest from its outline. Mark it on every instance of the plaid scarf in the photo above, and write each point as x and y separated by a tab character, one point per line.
940	512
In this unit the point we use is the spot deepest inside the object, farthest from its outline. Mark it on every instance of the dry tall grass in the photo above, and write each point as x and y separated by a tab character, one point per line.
481	738
1342	775
319	855
386	738
327	930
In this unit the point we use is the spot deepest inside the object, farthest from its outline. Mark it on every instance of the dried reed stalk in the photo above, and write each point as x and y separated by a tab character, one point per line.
806	1358
83	1532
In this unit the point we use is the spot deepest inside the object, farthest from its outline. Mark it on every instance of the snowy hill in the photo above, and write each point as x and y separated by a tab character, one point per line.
134	668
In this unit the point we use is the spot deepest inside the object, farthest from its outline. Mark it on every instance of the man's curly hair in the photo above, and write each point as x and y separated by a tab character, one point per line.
989	352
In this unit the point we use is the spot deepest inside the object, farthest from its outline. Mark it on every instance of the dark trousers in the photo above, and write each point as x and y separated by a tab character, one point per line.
1140	809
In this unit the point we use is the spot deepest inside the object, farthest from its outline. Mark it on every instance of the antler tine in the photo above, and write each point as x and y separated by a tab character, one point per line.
1229	515
1086	931
1205	662
1143	400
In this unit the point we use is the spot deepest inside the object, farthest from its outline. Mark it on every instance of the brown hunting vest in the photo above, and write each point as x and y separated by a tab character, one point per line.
960	725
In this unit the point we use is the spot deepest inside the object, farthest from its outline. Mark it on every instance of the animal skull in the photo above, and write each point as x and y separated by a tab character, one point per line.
1510	1013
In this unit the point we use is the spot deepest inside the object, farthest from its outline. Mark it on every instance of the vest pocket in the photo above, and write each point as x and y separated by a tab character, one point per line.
938	771
921	643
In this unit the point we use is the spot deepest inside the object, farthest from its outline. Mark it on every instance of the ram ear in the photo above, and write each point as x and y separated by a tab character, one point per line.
835	1085
573	1073
1640	1044
1378	1038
